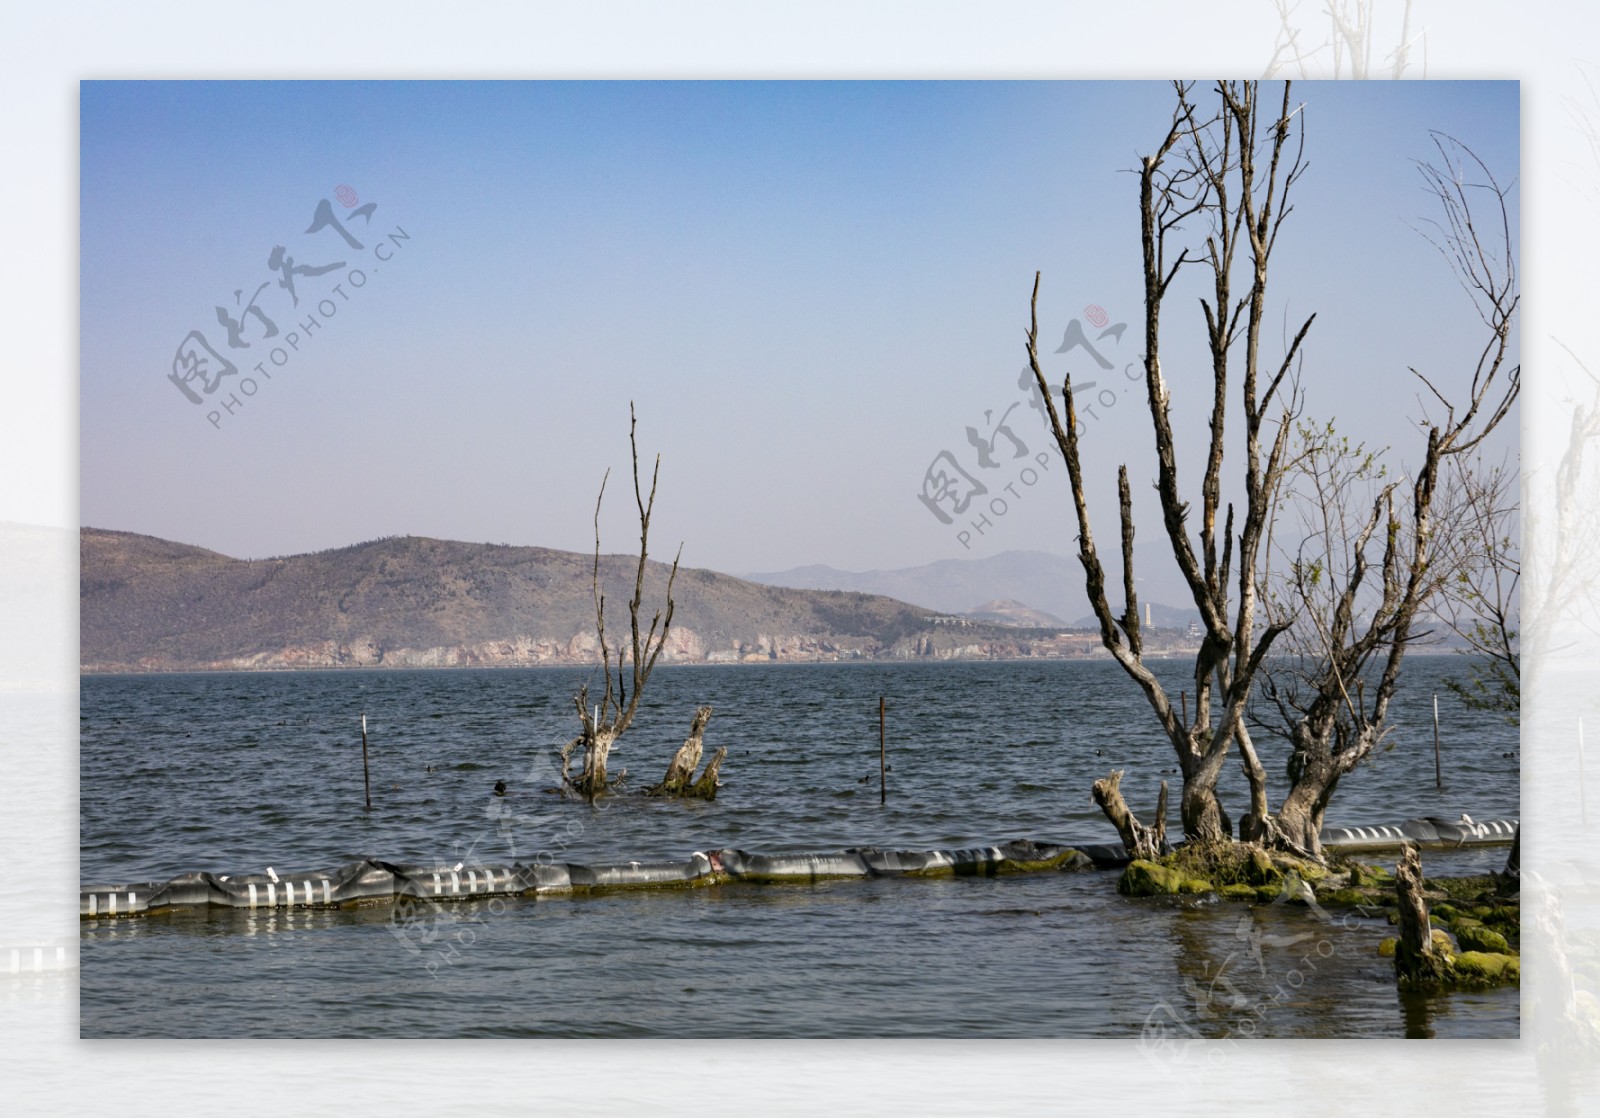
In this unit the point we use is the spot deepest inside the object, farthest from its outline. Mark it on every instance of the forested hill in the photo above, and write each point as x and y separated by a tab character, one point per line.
150	604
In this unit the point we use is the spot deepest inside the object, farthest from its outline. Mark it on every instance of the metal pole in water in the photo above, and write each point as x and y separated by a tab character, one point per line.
883	759
1438	771
366	774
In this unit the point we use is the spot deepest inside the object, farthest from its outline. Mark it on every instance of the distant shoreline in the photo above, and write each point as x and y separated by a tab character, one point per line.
793	663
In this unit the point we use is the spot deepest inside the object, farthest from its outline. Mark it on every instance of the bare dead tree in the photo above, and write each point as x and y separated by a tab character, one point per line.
1346	46
1480	602
604	722
1351	593
1234	170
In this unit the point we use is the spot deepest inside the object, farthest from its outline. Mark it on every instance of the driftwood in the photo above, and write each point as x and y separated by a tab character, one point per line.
1140	840
679	780
1418	961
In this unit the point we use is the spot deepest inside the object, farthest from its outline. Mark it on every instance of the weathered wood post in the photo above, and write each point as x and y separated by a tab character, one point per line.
1439	772
366	774
1418	960
883	759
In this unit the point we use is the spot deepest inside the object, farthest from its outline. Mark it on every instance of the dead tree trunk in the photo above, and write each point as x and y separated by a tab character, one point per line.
1141	841
1418	962
680	774
706	787
1205	166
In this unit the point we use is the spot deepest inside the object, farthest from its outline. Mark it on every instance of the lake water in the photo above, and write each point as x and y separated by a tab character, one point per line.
236	772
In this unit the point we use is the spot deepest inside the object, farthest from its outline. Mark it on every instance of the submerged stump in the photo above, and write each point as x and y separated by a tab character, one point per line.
1420	960
1142	841
680	780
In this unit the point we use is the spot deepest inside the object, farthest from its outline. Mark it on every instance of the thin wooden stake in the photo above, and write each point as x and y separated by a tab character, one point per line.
1439	772
366	774
883	759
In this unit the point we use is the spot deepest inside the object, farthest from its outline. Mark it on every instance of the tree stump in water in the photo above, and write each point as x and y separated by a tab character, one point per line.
1141	841
680	774
1418	960
706	787
680	780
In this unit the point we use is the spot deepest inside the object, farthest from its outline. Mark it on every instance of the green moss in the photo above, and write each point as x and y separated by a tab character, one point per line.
1478	938
1069	859
1364	876
1387	945
1468	890
1503	917
1346	897
1143	879
1487	969
1242	891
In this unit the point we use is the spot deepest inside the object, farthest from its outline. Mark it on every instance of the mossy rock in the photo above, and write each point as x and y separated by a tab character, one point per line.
1143	879
1479	938
1442	941
1500	916
1240	891
1468	890
1487	969
1308	871
1444	911
1363	876
1387	945
1462	921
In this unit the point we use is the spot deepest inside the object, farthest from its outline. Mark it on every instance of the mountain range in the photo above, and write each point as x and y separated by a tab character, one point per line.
148	604
1048	585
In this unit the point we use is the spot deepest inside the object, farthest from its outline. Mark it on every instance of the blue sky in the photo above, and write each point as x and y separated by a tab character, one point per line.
809	289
